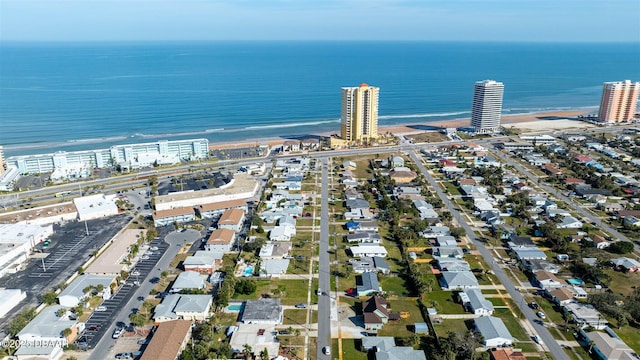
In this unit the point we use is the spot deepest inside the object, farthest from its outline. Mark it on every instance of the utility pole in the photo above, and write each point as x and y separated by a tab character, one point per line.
86	227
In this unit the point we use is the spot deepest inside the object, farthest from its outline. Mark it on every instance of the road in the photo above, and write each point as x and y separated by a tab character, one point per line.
324	284
106	342
544	334
553	191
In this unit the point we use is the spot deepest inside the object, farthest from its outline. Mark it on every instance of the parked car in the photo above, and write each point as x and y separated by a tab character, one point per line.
117	333
154	248
93	328
101	308
537	339
301	306
136	272
534	305
125	355
144	257
326	350
143	341
541	315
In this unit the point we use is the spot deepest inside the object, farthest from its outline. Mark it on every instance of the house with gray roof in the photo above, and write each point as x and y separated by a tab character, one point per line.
446	241
494	332
47	328
275	250
460	280
262	311
368	284
476	302
378	343
188	280
274	267
452	264
364	236
448	252
369	264
608	346
433	232
384	348
75	293
626	264
203	261
530	254
183	307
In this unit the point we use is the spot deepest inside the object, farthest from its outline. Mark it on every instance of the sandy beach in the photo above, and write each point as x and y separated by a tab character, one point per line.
555	120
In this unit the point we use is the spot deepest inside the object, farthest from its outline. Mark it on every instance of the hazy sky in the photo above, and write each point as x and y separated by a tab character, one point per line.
481	20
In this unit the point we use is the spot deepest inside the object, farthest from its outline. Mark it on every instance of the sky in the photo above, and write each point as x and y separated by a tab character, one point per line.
410	20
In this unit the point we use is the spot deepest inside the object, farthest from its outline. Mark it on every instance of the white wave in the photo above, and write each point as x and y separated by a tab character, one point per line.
261	127
413	116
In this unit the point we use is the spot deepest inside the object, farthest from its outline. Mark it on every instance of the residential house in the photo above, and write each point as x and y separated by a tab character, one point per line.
433	232
82	287
53	352
203	262
474	301
396	161
364	237
446	241
367	249
369	264
448	252
221	240
493	331
48	327
274	250
367	226
368	284
183	307
384	348
459	280
600	242
188	280
274	267
402	175
170	216
506	354
626	264
572	181
586	314
611	207
214	210
262	311
548	281
453	265
631	221
561	296
282	233
232	219
529	253
569	222
520	242
376	313
168	341
608	346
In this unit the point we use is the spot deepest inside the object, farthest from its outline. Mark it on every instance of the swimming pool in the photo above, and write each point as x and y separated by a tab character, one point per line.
574	281
235	307
248	271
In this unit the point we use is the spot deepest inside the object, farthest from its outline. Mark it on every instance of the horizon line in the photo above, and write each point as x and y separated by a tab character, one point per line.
2	41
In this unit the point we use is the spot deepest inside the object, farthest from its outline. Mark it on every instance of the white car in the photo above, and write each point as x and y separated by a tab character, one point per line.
537	339
117	333
101	308
541	315
326	350
135	273
144	257
154	248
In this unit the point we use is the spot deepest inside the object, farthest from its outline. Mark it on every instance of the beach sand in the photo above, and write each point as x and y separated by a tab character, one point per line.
556	120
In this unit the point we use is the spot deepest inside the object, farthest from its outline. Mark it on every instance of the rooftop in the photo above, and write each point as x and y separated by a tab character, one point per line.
109	261
167	340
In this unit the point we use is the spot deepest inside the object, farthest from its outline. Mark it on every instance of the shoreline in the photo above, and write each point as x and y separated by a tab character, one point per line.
533	121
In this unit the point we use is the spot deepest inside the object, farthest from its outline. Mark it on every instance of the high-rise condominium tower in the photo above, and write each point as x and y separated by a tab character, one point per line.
487	106
619	100
3	164
359	113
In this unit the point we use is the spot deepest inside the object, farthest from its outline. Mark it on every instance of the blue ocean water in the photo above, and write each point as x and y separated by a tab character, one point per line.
71	96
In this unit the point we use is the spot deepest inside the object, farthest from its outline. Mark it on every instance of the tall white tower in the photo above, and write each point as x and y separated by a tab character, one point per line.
487	106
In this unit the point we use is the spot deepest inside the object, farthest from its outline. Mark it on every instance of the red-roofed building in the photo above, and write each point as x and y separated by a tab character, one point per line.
447	162
573	181
582	159
507	354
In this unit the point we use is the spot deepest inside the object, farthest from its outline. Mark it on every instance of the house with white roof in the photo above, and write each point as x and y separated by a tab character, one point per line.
203	261
274	267
95	206
188	280
75	293
9	299
453	264
608	346
447	252
366	249
48	327
569	222
183	307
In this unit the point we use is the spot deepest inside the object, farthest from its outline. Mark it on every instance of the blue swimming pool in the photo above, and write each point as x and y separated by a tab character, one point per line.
248	271
574	281
235	307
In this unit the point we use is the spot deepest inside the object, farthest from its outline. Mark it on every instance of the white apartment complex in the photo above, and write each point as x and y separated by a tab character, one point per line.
487	106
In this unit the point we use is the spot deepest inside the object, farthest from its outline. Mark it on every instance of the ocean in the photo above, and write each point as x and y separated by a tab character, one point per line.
73	96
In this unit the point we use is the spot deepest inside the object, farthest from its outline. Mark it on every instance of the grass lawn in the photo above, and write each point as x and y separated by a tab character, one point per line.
394	286
496	301
295	317
620	281
526	346
451	188
458	326
263	287
550	310
445	303
631	336
350	349
400	328
295	291
511	323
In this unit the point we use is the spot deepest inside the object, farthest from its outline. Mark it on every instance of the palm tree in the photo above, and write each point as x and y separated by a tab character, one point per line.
247	351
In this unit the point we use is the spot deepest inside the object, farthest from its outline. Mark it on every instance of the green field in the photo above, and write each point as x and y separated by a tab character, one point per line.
445	302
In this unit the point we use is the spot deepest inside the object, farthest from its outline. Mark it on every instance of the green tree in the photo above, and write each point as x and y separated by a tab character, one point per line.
66	332
246	287
621	247
49	297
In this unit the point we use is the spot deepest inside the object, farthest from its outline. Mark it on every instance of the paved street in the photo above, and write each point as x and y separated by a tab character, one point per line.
324	301
549	341
173	243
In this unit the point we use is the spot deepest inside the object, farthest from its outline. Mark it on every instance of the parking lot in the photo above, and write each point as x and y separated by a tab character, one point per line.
99	323
69	248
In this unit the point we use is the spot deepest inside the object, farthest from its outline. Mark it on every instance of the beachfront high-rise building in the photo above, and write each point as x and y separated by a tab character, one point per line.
359	113
487	106
619	100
